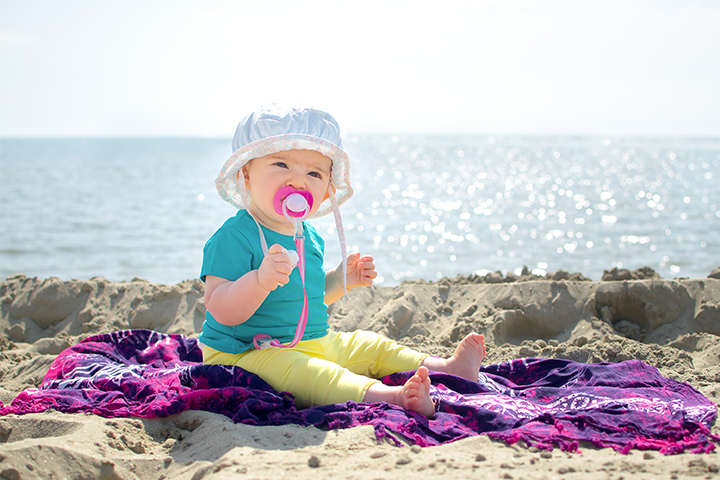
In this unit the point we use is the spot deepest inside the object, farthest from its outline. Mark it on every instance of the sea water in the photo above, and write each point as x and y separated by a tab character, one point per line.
425	206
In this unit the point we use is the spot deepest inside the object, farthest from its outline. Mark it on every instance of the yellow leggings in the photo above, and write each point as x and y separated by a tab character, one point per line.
335	368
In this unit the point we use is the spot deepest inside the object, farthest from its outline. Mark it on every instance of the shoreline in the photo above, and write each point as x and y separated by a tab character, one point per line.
671	324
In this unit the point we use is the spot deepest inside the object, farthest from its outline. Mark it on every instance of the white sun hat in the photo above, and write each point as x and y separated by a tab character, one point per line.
274	128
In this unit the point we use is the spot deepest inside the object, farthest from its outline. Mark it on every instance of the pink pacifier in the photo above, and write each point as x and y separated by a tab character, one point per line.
293	203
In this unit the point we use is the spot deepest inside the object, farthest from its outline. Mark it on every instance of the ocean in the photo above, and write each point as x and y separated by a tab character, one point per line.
425	206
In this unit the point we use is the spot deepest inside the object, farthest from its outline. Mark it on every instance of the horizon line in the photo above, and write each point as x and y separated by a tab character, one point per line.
349	135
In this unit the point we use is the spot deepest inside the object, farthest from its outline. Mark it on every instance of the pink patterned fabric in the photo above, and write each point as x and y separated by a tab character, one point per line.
545	402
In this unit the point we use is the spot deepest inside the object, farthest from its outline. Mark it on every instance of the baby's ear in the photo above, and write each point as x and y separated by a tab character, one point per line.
246	176
327	193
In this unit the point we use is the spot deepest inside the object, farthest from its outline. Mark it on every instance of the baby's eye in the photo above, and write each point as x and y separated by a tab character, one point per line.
316	175
280	164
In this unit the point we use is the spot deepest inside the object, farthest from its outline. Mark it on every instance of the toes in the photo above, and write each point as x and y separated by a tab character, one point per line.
416	393
476	341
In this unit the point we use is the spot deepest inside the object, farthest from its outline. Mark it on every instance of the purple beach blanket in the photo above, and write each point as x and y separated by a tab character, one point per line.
545	402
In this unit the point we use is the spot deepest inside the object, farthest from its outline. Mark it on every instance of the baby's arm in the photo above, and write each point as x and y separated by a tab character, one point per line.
234	302
360	272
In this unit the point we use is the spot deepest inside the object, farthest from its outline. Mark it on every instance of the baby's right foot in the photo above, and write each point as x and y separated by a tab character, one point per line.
415	394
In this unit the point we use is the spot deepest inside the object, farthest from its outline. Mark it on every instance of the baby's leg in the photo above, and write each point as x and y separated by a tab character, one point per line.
414	395
465	362
300	371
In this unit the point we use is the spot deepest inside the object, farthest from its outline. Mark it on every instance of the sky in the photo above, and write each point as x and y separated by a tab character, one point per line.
195	68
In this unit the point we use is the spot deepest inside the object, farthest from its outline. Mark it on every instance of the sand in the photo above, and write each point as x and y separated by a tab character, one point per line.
672	324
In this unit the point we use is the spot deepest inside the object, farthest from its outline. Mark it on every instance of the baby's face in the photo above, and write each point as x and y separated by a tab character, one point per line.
305	170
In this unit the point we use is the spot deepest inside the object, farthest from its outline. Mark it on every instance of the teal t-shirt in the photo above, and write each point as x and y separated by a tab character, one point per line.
233	251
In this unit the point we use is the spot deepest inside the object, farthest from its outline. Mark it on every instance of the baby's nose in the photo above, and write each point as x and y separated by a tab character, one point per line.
297	181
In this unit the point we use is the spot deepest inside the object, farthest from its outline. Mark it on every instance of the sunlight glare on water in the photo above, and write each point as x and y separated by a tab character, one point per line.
440	206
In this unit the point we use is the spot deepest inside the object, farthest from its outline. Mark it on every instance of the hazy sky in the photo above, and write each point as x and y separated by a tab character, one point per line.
172	67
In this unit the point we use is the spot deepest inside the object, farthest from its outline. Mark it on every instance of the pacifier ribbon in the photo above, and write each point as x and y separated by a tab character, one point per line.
295	205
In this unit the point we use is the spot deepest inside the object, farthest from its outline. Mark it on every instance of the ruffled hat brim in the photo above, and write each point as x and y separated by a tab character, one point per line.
233	191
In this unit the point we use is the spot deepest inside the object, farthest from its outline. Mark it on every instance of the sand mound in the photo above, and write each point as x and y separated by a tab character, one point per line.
672	324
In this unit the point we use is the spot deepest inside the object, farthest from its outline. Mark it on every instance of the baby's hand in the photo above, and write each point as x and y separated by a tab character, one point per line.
361	270
275	268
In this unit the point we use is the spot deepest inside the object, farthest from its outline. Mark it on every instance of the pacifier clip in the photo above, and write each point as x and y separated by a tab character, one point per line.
295	205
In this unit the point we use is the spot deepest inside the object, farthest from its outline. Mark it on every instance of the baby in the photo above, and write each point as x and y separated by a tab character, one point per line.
266	290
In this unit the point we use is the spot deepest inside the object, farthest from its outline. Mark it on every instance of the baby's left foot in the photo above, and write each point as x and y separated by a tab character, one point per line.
468	357
415	394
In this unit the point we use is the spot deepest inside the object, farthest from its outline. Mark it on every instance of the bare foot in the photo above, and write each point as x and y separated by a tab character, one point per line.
415	394
468	357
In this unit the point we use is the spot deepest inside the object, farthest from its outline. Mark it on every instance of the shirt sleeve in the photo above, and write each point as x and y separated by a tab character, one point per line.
228	254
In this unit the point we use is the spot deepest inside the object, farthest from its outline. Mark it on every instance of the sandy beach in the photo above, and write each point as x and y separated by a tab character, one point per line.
673	325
